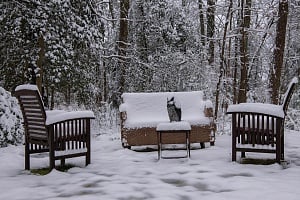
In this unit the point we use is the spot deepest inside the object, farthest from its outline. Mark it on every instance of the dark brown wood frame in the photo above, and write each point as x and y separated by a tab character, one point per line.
68	136
250	129
148	136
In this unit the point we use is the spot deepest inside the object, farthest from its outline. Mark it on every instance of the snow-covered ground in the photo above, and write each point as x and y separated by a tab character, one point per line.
117	173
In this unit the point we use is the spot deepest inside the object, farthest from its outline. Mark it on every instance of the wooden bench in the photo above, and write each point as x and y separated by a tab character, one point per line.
142	112
258	127
62	134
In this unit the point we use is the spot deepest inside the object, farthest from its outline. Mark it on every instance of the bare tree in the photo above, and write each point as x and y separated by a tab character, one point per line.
222	57
140	31
211	30
122	44
276	71
244	27
202	25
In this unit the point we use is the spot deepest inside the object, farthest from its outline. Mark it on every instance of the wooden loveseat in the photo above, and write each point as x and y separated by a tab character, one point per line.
142	112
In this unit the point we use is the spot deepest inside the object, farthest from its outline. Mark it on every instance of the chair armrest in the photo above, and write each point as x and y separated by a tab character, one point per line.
258	108
53	118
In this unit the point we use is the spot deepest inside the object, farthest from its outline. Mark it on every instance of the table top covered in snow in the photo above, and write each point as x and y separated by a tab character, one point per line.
174	126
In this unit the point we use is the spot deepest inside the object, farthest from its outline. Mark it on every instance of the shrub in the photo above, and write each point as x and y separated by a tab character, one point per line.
11	129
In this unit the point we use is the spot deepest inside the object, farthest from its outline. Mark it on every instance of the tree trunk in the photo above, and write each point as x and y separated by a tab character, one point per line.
211	30
244	27
40	62
111	10
122	45
222	59
202	26
140	32
279	50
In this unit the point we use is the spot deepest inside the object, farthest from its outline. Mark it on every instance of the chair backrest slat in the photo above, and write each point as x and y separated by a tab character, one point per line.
33	113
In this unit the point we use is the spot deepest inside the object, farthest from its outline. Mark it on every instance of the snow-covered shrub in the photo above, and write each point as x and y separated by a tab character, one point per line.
11	129
292	121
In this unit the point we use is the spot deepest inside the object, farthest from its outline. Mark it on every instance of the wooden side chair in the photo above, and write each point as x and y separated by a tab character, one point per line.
62	134
258	127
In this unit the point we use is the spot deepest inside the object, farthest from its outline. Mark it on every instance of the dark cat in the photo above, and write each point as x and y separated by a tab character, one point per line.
173	111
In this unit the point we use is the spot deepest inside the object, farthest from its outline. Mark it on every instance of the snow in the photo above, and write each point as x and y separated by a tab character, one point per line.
26	87
174	126
149	109
57	116
70	151
118	173
294	80
269	109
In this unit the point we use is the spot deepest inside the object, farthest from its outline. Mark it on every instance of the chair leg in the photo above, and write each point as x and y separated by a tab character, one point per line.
27	157
51	155
243	154
282	147
88	142
233	154
51	159
88	153
62	162
88	158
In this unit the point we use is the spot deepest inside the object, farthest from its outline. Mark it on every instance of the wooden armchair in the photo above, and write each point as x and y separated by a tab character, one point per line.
62	134
258	127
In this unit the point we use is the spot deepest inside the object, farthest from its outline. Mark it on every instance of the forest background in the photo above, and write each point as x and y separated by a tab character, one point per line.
87	53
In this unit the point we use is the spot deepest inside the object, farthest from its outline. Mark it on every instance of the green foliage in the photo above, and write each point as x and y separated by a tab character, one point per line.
72	33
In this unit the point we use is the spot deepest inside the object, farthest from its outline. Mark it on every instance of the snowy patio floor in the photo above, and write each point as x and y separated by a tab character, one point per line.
117	173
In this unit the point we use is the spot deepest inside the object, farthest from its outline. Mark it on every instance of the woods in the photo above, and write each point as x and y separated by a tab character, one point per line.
90	52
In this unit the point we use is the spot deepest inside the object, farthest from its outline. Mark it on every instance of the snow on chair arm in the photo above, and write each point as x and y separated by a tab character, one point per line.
64	116
258	108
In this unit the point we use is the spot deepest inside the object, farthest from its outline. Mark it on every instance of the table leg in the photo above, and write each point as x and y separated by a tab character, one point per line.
189	143
159	144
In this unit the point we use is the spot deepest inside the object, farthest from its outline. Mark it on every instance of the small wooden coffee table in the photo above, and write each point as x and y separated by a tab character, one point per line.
176	128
